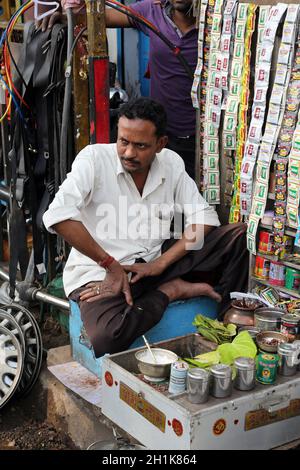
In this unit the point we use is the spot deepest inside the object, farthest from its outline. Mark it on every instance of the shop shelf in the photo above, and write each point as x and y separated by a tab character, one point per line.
288	231
292	293
282	261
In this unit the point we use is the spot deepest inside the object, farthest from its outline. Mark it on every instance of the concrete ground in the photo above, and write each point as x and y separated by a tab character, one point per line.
83	421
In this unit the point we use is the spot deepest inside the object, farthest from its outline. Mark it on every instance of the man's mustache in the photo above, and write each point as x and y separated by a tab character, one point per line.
129	160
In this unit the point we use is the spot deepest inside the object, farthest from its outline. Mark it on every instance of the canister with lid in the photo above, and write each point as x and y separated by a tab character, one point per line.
266	368
290	326
245	373
198	381
178	377
288	359
221	380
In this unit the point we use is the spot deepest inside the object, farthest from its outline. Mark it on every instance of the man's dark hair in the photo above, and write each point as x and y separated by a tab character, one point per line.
148	110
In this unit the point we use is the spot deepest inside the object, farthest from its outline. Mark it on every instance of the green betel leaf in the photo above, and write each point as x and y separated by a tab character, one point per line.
231	328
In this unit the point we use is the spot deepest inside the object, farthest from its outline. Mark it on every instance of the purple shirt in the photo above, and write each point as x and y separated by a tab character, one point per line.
170	85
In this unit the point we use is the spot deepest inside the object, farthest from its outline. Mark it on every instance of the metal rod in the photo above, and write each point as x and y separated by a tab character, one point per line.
51	299
4	193
37	294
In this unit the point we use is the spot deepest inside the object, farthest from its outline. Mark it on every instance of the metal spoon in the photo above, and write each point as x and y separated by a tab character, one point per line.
149	349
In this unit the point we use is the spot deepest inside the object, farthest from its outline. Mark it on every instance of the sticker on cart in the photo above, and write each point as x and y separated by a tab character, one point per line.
108	378
258	418
219	427
143	407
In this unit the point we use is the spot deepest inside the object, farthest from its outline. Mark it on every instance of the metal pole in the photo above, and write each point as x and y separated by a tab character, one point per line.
37	294
98	72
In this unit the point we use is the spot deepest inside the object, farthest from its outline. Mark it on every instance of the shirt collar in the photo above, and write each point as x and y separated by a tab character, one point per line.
167	8
157	173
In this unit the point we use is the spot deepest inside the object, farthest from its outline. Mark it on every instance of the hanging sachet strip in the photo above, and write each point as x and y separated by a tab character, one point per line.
235	215
233	180
212	116
198	71
233	98
292	209
262	19
284	144
203	83
262	75
269	139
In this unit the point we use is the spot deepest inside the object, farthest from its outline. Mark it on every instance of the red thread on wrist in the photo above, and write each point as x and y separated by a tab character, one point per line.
107	261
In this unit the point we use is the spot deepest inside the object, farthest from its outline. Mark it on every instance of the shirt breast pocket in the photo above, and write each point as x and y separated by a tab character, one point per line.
161	222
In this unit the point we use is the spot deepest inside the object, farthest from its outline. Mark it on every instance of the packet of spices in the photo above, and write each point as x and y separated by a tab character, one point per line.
280	194
270	295
279	208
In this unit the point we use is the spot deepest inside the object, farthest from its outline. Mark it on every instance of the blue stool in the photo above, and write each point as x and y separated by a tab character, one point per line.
176	321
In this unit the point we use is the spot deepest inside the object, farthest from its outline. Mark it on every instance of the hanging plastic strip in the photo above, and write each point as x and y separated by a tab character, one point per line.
284	192
231	100
212	116
269	139
292	209
262	75
198	71
235	215
203	83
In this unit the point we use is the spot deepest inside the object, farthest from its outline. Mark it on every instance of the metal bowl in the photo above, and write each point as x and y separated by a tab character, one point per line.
265	337
252	330
164	359
267	319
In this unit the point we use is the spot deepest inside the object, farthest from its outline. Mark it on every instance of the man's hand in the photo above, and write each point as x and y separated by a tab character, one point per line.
140	270
59	16
115	282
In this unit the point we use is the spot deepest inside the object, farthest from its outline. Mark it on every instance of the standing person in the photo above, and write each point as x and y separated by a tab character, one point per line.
115	209
170	84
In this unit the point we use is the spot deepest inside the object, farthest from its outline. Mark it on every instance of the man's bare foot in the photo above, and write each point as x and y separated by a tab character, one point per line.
180	289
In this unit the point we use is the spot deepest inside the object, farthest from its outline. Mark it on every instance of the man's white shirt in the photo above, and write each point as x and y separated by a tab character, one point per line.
99	193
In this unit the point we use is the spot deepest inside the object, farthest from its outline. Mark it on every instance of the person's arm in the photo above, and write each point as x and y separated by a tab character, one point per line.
192	238
76	235
116	280
64	217
116	19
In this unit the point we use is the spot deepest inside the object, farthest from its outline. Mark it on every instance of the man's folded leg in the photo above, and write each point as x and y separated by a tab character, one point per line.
112	325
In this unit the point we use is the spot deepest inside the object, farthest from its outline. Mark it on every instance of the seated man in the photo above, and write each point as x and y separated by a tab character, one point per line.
115	210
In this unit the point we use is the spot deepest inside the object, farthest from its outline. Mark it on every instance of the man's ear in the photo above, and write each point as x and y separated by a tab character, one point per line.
161	143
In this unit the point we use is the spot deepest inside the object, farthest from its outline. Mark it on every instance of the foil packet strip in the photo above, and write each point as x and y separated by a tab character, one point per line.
214	81
262	173
258	208
247	169
251	244
213	178
235	214
213	147
292	14
284	53
213	195
281	74
292	216
270	135
229	141
261	191
263	15
293	192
